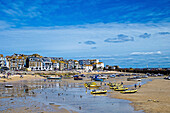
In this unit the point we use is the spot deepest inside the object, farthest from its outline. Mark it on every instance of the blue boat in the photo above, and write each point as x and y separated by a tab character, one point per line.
97	79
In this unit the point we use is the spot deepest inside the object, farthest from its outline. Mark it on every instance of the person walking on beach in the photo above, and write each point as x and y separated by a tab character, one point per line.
135	86
121	83
139	85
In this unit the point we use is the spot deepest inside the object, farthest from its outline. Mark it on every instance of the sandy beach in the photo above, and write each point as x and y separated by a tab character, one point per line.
152	97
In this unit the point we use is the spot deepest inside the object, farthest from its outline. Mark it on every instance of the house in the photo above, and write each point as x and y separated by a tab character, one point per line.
46	64
2	61
55	64
100	65
88	67
84	62
61	65
94	61
76	65
70	64
34	63
57	58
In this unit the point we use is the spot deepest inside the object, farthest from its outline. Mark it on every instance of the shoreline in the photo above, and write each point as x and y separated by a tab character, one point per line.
152	97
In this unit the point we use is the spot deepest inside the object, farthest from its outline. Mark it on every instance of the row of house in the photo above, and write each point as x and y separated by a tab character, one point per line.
35	62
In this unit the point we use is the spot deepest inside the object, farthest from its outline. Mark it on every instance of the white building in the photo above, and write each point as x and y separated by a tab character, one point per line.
2	61
100	65
47	64
55	64
88	67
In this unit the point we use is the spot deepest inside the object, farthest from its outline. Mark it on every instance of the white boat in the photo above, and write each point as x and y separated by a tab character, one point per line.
56	77
134	79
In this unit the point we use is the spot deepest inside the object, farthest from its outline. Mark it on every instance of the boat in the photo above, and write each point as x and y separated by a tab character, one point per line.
115	86
98	79
8	86
167	78
102	77
112	76
144	76
121	89
76	77
135	78
91	85
129	91
54	78
98	91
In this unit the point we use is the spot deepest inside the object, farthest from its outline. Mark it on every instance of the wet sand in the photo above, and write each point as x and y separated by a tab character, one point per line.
35	109
153	97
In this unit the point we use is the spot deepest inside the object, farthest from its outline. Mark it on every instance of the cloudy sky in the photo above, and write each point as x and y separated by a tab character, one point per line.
129	33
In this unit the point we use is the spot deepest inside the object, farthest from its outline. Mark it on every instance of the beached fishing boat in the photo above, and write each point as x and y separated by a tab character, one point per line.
98	91
102	77
167	78
112	76
8	86
76	77
54	78
121	89
91	85
98	79
135	78
129	91
115	86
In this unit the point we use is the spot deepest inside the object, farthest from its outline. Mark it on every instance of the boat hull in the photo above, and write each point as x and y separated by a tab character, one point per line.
128	91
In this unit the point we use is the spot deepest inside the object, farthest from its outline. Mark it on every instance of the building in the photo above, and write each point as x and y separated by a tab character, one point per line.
100	65
94	61
61	65
76	65
70	64
55	64
34	63
89	67
46	64
84	62
2	61
57	58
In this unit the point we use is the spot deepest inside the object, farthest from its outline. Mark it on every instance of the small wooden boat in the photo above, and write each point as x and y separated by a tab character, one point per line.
121	89
54	78
98	91
8	86
129	91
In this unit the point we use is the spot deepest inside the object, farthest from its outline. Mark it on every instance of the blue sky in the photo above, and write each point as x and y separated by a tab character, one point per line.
129	33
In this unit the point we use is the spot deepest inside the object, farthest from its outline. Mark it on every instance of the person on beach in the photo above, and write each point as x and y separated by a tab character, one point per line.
121	83
135	86
139	85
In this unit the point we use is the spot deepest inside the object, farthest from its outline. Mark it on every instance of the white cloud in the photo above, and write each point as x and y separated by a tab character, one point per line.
146	53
